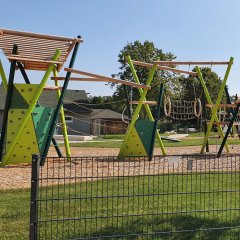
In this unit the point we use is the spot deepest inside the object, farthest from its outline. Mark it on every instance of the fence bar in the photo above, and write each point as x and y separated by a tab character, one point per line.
34	195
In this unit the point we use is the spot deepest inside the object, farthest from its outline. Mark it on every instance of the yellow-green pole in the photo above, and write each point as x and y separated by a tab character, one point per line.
148	110
220	132
138	108
64	126
31	107
3	76
214	110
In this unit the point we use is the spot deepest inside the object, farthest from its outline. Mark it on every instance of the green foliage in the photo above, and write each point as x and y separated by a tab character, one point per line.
144	52
191	86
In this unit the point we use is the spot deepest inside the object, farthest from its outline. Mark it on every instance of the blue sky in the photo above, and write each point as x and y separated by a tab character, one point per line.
190	29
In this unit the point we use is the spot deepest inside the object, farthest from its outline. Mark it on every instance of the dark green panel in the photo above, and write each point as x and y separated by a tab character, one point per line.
18	102
42	118
145	132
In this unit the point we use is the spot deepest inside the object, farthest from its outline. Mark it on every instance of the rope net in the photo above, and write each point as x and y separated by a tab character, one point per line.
181	109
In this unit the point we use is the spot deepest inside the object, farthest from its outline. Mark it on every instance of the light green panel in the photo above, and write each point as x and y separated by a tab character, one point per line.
28	91
27	143
134	146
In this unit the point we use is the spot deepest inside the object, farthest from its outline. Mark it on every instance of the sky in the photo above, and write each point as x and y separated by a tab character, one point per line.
193	30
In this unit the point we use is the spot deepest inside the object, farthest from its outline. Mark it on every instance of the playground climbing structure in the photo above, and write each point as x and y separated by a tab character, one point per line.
28	126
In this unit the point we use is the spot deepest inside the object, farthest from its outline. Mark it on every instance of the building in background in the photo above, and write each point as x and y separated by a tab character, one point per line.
80	118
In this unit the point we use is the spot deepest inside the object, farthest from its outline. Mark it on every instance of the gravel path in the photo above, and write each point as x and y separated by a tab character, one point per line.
18	176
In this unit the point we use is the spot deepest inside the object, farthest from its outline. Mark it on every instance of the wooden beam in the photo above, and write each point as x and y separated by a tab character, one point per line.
143	64
18	58
51	88
175	63
96	77
144	102
36	35
225	123
227	105
77	79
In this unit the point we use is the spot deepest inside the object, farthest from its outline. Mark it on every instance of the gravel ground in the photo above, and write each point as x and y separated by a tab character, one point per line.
18	176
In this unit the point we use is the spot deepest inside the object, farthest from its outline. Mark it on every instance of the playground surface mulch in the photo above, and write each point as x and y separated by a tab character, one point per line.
18	176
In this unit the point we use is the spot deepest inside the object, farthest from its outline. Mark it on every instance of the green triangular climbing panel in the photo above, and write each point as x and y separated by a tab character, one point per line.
134	146
27	143
28	91
145	132
42	118
139	140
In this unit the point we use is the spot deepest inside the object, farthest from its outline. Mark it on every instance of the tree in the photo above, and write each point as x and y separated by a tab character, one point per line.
191	86
145	52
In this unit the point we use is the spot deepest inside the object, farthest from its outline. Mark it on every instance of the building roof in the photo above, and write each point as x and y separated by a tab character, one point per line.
50	99
105	114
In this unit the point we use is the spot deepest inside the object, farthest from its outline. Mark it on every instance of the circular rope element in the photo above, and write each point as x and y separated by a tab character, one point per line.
198	103
125	121
167	106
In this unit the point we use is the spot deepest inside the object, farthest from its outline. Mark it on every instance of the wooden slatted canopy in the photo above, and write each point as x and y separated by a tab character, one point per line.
35	51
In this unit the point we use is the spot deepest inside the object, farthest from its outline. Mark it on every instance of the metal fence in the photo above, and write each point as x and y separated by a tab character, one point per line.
173	197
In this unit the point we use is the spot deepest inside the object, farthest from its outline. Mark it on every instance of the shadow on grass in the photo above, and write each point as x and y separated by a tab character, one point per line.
180	227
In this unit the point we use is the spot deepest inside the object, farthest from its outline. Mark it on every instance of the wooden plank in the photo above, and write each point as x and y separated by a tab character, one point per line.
224	123
34	57
16	57
106	79
143	64
37	35
78	79
227	105
52	88
175	63
144	102
7	45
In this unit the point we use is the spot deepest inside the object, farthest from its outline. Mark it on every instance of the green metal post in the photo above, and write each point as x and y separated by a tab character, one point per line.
65	133
60	102
205	119
31	106
8	102
157	116
3	76
220	132
230	110
138	108
148	110
214	110
127	102
24	74
228	130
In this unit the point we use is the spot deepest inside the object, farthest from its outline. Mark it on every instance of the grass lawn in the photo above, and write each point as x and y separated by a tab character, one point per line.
130	205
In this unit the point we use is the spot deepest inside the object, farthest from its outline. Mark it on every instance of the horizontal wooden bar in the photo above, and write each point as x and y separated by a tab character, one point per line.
36	35
175	63
32	60
143	64
227	105
225	123
96	77
144	102
90	79
52	88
